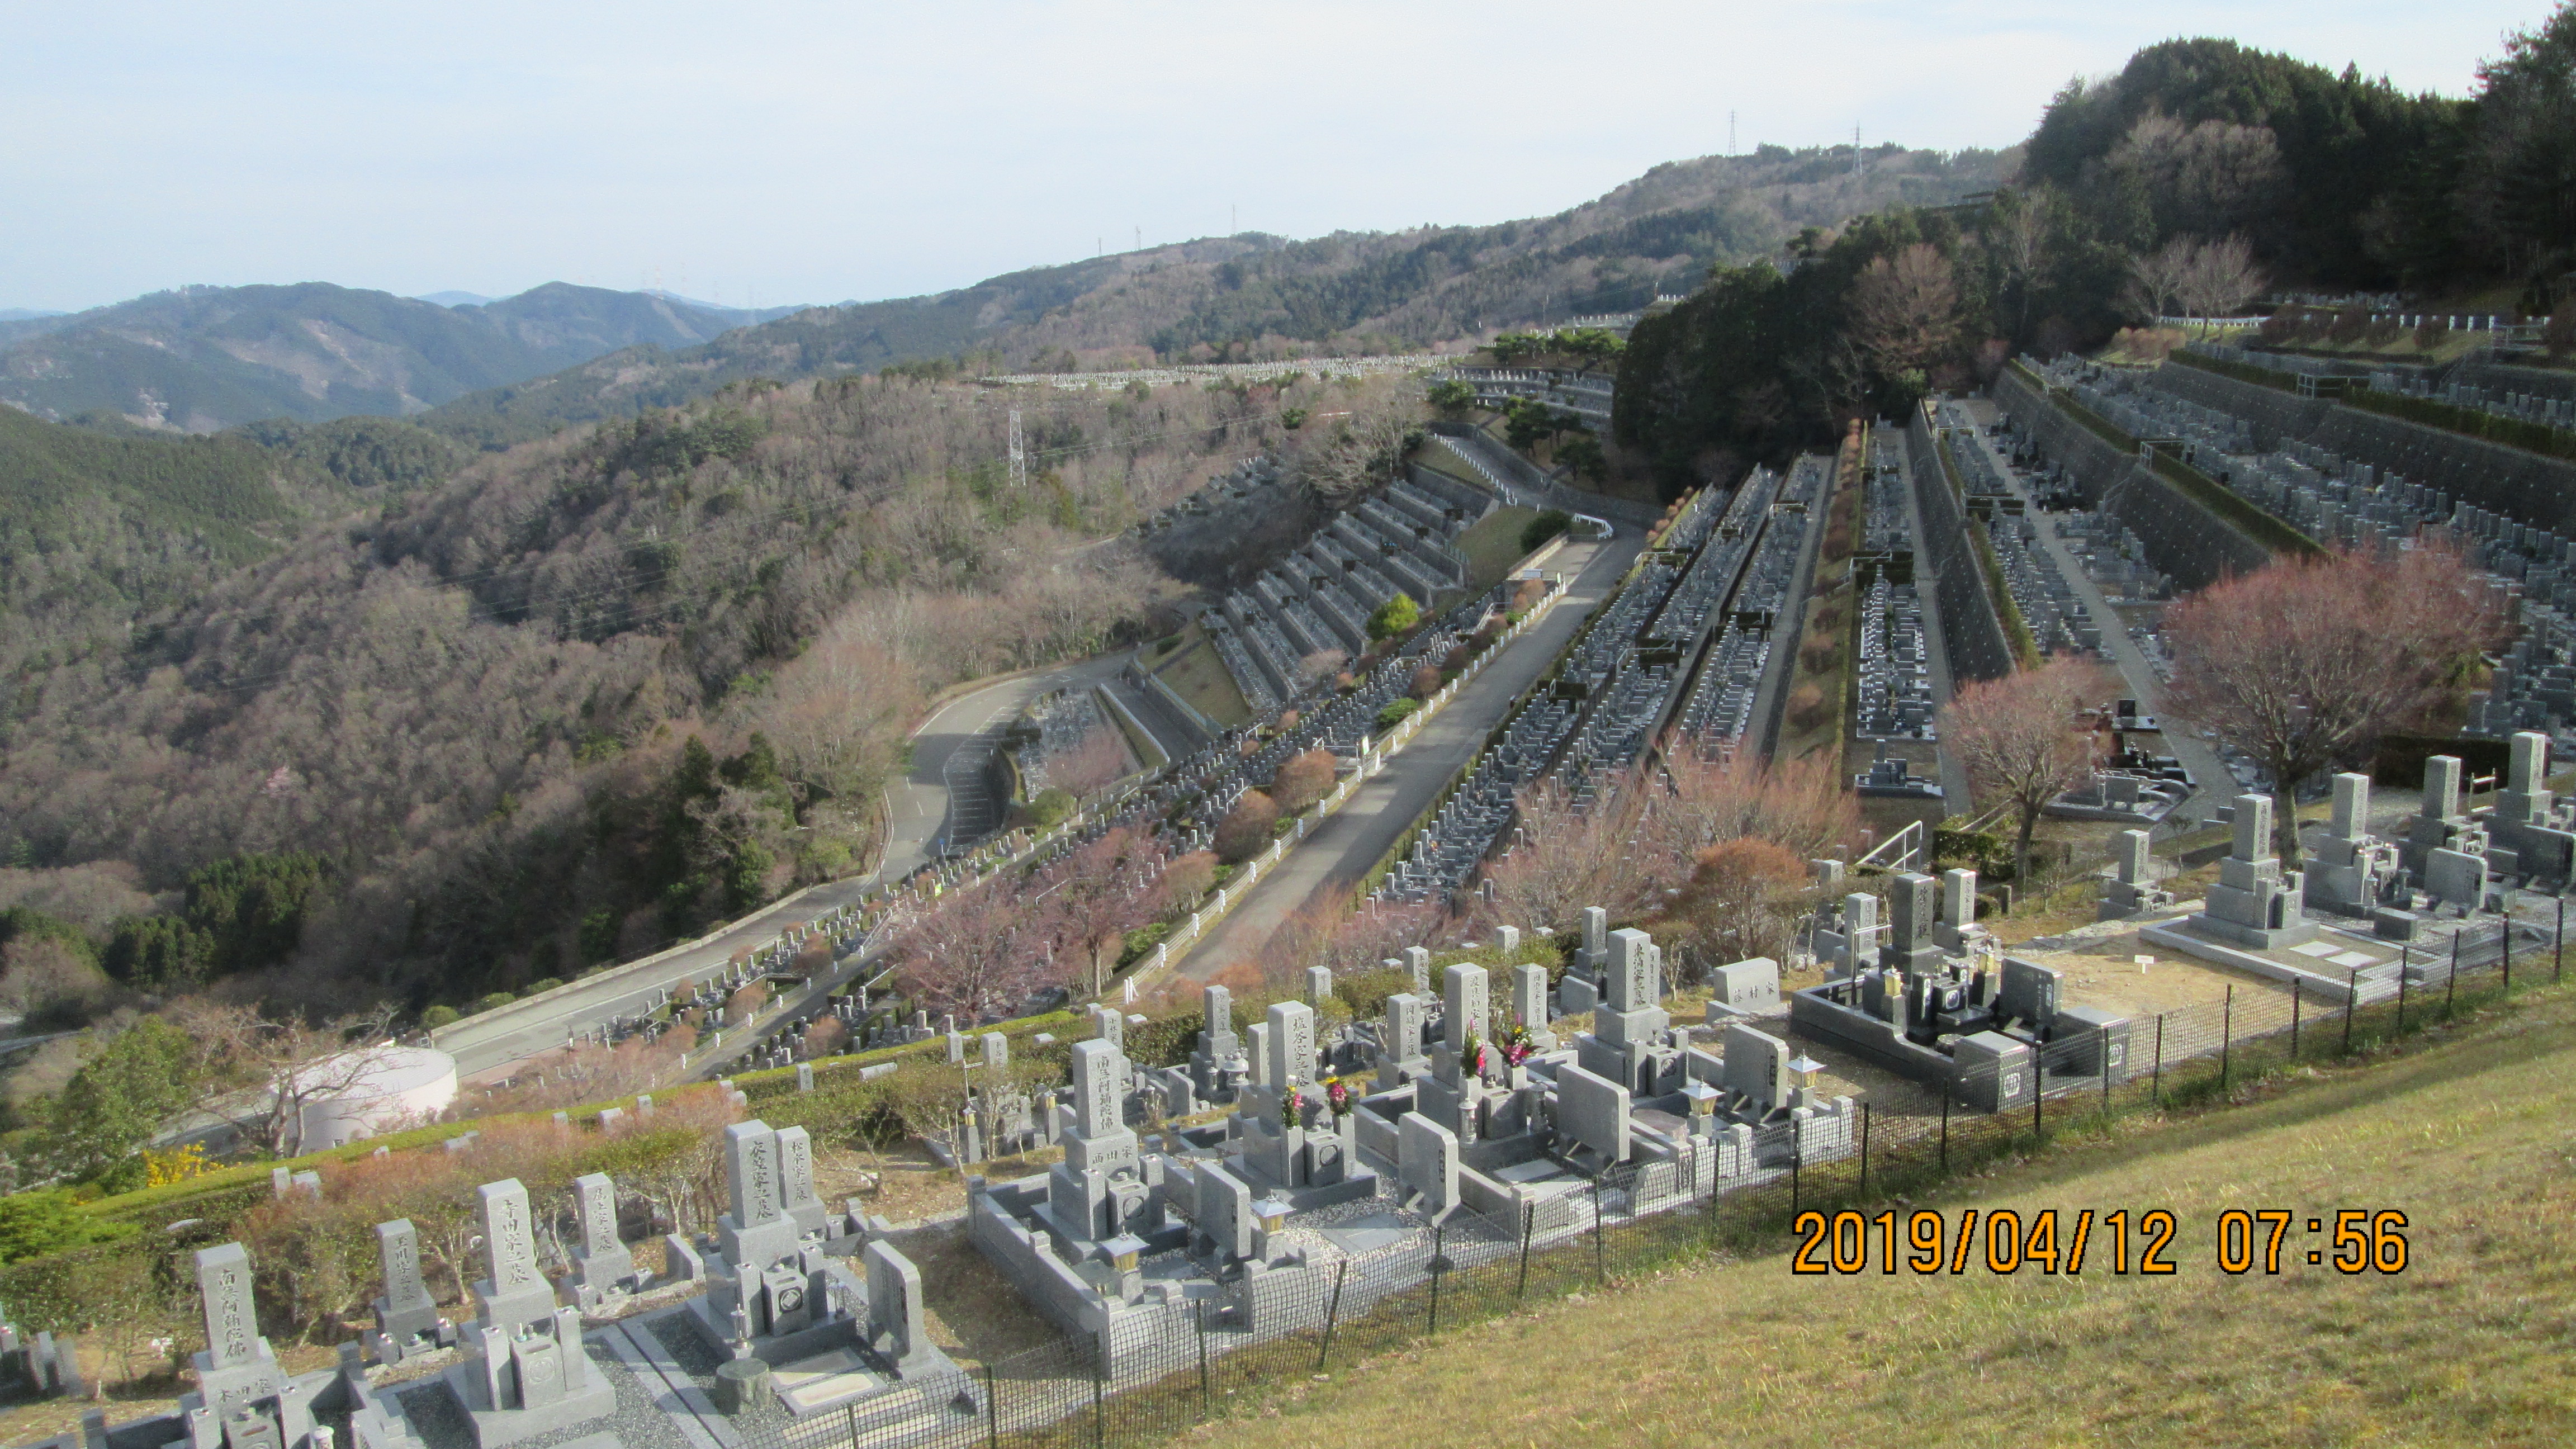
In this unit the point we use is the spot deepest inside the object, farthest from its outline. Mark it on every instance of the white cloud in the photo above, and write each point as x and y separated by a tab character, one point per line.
811	151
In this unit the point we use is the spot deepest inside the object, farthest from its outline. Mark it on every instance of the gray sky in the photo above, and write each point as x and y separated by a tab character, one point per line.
795	150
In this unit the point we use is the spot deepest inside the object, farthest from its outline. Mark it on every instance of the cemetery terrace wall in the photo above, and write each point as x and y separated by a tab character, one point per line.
2183	539
2525	487
1972	636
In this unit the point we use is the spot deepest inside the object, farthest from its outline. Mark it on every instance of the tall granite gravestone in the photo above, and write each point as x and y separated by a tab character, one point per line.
2255	904
603	1268
2130	892
1399	1042
526	1371
2528	818
1630	1041
407	1321
2444	846
244	1398
1529	1004
797	1198
772	1290
1214	1066
2349	871
1453	1094
1909	946
1100	1190
1293	1145
1958	930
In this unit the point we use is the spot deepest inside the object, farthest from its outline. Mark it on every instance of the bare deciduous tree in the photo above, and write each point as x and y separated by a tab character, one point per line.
2023	738
2303	663
2156	279
2219	277
265	1070
1905	310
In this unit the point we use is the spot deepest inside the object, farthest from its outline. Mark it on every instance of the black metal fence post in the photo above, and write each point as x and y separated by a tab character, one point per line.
2451	983
992	1410
1864	1151
2504	932
2102	1059
1439	1232
1529	1220
1207	1403
1333	1314
2558	945
2352	997
1600	1262
2401	996
2298	995
2226	1034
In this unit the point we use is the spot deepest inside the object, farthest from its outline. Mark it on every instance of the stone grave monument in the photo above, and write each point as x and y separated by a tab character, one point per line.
2255	903
526	1371
407	1321
2129	891
2350	872
603	1268
244	1398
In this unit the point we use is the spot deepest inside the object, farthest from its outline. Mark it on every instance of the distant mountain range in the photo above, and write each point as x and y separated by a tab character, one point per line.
205	358
1251	296
492	373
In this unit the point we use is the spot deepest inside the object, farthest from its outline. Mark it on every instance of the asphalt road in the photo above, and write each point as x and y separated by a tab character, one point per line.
2213	784
1337	854
919	812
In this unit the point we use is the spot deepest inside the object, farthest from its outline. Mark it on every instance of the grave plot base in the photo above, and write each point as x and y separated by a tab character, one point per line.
1358	1184
2326	974
775	1350
498	1428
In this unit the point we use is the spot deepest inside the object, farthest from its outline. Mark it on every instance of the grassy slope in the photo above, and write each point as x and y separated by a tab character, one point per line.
2468	1137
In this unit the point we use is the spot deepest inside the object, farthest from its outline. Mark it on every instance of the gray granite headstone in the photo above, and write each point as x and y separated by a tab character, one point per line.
1098	1069
1464	1005
1292	1044
751	1173
232	1326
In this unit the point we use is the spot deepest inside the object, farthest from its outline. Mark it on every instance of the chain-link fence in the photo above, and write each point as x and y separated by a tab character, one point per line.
1154	1374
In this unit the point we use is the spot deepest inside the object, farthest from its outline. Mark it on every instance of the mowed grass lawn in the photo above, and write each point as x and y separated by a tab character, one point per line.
1492	544
2473	1138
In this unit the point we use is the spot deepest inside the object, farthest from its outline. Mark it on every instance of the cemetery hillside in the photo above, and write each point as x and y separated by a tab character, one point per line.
1851	792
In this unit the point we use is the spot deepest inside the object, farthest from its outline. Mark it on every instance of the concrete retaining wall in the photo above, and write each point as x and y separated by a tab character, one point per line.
1972	635
2182	538
2522	486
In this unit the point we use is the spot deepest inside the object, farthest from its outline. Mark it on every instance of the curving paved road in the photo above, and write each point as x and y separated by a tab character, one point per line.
1337	854
922	812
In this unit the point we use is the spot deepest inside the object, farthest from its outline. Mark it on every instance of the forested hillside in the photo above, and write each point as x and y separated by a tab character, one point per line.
2202	175
1254	297
205	358
605	687
104	538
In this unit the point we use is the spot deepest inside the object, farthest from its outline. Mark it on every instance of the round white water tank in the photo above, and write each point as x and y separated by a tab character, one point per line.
376	1088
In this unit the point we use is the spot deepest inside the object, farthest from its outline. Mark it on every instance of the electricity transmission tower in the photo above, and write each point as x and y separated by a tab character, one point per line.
1019	454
